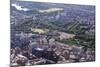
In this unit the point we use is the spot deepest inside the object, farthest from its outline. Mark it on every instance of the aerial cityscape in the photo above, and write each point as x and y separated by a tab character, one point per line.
51	33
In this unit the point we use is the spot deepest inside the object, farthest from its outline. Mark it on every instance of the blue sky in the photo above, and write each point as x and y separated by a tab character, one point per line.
87	2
